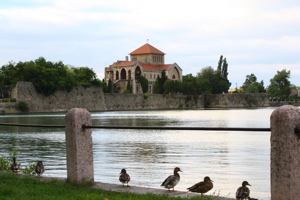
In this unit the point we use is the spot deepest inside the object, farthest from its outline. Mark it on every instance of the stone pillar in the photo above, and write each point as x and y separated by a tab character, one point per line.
285	154
79	146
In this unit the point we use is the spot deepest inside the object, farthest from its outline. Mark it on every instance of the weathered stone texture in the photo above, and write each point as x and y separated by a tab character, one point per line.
93	99
285	154
79	146
90	98
236	100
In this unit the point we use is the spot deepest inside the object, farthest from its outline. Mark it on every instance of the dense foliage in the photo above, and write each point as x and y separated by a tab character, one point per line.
280	86
47	76
207	81
252	86
144	83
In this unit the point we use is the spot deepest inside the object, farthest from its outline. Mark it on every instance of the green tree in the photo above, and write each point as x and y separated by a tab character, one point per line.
220	63
85	76
158	87
250	79
171	86
211	81
109	86
144	83
46	76
252	86
128	87
280	85
188	85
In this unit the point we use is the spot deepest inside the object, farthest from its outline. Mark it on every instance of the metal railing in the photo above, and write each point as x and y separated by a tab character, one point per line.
297	130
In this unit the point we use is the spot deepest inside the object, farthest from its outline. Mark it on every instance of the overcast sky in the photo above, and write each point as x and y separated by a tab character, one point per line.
255	36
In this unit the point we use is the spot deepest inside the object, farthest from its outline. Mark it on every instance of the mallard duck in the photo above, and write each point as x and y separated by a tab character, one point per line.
15	166
124	177
172	180
243	192
39	168
202	187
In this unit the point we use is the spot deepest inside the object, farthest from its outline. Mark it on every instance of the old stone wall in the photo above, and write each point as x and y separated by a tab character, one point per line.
93	99
238	100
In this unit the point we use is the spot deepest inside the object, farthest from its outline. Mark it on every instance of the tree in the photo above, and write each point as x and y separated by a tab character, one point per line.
85	76
171	86
158	87
252	86
128	87
144	83
46	76
250	79
220	64
211	82
280	85
109	86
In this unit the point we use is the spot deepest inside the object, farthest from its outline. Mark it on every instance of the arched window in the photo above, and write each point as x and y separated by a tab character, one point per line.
176	74
137	72
117	75
123	74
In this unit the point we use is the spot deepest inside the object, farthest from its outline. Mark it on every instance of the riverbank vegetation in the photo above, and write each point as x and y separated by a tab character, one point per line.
46	76
208	81
29	188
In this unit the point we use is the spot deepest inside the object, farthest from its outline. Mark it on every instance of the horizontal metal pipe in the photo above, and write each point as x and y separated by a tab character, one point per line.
181	128
34	125
152	127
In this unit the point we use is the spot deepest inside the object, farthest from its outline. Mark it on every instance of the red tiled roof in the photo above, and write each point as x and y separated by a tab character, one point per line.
146	49
149	67
125	63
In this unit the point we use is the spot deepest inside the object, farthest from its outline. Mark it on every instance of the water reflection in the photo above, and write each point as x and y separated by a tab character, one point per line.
151	155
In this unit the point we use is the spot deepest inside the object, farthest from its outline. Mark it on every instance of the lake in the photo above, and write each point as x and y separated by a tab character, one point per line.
228	157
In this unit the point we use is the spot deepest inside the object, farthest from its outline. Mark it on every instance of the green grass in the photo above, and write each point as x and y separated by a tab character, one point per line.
31	188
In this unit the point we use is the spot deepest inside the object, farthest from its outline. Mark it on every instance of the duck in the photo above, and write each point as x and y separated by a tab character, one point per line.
124	177
172	180
243	192
203	186
15	166
39	168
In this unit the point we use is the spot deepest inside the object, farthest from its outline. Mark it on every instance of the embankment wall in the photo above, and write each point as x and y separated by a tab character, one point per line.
93	99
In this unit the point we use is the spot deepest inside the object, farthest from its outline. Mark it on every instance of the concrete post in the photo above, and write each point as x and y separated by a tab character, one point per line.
285	154
79	146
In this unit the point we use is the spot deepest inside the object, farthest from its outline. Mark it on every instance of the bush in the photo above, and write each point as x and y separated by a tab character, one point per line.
6	100
146	96
22	106
126	92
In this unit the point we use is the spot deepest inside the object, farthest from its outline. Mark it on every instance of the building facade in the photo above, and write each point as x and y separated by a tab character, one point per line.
145	61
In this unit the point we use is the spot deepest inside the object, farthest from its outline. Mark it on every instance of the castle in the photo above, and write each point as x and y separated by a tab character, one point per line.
145	61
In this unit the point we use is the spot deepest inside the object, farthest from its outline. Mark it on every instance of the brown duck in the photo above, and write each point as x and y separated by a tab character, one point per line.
172	180
39	168
124	177
243	192
203	186
15	166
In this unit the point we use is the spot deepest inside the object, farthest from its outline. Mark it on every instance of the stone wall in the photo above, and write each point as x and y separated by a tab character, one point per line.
93	99
236	100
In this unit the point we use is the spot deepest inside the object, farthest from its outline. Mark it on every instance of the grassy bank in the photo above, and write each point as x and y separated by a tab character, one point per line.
31	188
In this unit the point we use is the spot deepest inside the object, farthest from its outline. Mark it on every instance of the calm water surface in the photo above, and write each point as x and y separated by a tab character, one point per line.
228	157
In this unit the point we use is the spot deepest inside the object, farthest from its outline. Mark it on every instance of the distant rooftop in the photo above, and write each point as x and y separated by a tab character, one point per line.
147	49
